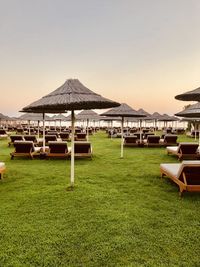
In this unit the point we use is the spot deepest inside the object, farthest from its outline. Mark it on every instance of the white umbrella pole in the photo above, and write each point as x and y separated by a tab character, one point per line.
195	131
140	131
122	139
43	132
87	129
29	127
38	129
72	149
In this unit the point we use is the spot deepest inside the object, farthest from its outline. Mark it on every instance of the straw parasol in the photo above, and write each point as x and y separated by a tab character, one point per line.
193	95
72	95
33	117
87	115
60	118
123	111
192	111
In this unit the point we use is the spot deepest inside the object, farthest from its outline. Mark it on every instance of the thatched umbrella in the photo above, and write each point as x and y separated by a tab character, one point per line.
192	111
155	116
72	95
193	95
123	111
60	118
33	117
87	115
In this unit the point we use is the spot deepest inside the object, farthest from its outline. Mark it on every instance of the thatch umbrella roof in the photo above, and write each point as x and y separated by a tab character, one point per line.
72	95
192	111
193	95
123	111
59	117
33	117
88	115
4	117
154	116
142	111
107	118
166	117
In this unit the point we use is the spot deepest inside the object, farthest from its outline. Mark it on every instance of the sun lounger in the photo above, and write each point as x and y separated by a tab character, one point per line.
169	140
131	141
152	141
50	138
185	174
31	138
65	136
3	133
81	137
25	149
14	138
58	149
184	151
82	149
2	169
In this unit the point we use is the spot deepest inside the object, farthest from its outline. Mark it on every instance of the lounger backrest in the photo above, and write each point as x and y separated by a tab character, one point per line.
52	133
23	146
81	135
50	138
64	136
153	139
30	138
82	147
170	138
2	131
130	139
16	137
188	148
191	169
58	147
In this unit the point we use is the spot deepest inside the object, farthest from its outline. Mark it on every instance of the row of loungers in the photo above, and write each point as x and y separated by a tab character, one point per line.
54	149
48	138
151	141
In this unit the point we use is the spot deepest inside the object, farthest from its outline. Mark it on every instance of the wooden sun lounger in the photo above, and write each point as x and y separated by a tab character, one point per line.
58	149
31	138
169	140
131	141
152	141
14	138
81	137
186	175
50	138
184	151
82	149
65	136
2	169
25	149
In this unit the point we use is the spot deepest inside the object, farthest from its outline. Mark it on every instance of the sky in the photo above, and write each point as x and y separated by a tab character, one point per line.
138	52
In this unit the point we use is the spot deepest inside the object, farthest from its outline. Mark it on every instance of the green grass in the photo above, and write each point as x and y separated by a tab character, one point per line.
120	214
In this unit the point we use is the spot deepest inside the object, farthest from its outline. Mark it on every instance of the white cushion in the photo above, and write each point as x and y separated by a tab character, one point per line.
2	165
171	168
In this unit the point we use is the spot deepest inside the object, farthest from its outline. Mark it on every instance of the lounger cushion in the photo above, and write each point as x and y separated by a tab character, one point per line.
2	165
172	149
171	168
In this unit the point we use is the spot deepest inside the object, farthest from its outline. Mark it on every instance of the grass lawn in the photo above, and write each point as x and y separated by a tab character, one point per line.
120	214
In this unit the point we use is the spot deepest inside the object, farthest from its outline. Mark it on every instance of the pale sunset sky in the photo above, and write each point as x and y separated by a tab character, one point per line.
141	52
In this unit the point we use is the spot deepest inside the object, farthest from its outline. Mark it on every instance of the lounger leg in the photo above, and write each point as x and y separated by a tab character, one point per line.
181	192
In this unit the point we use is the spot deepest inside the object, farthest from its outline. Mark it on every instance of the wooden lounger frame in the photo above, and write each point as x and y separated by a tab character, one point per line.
183	185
